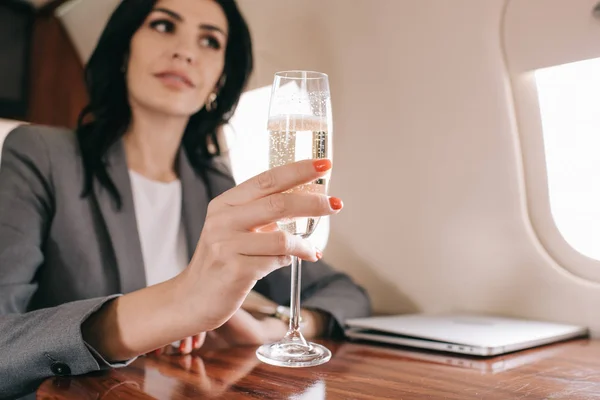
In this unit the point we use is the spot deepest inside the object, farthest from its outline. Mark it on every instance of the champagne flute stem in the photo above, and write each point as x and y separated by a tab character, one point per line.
295	295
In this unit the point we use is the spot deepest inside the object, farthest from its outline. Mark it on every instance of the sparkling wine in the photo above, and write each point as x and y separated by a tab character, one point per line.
294	138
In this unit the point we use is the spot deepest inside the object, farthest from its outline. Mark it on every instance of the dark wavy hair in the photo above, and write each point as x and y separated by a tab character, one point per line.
105	119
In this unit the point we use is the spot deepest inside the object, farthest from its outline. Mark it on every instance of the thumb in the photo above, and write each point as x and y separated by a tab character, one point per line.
198	340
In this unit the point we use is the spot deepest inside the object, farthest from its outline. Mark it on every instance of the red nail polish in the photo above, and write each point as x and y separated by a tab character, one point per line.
195	341
319	254
322	165
182	346
336	203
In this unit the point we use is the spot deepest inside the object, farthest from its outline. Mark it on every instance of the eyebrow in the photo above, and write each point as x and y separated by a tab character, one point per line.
178	17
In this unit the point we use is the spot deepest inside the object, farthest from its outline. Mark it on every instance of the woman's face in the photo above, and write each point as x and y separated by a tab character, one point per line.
177	56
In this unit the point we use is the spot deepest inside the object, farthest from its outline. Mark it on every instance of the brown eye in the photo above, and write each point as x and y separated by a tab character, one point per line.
209	41
163	26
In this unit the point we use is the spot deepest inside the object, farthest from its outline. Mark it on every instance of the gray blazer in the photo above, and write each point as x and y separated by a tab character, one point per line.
63	256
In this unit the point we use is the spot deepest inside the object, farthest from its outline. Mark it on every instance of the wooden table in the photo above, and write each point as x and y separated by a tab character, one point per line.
569	370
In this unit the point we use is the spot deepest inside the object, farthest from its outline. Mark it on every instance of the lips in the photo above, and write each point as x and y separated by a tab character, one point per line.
175	78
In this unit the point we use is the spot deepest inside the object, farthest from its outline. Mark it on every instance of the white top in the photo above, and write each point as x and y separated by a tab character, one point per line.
158	214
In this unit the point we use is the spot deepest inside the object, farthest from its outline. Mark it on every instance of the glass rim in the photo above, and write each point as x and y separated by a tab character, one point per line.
301	74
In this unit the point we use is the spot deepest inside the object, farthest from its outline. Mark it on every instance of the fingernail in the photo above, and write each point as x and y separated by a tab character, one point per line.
182	346
319	254
336	204
195	341
322	165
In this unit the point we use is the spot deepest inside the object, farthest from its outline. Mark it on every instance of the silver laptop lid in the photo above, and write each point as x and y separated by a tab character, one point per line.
469	329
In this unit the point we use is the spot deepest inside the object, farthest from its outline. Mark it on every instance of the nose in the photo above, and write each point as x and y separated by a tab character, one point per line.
184	48
184	56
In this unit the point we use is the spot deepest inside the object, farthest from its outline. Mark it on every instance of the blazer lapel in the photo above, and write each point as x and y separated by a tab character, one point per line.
121	224
194	202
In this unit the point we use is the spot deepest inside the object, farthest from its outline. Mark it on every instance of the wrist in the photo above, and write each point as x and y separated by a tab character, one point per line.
187	301
144	320
316	323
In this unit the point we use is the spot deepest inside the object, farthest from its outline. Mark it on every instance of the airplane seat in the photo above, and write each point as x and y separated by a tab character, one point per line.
7	125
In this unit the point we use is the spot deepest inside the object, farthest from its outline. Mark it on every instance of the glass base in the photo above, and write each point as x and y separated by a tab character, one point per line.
293	355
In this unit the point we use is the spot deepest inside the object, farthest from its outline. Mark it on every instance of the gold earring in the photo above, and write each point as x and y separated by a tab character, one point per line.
211	102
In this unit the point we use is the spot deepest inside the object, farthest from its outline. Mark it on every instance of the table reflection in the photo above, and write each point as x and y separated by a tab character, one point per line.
213	374
356	370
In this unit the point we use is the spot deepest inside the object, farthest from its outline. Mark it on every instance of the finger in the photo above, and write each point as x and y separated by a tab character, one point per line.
257	267
275	180
198	341
171	350
157	353
185	347
279	206
278	243
272	227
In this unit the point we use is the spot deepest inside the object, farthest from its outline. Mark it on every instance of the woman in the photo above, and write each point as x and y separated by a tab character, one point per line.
121	206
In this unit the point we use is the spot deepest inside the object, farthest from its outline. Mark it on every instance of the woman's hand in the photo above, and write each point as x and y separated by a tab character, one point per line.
245	328
233	253
182	347
314	323
242	329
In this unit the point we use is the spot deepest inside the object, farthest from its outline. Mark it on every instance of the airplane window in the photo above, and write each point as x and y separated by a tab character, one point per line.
246	135
569	98
248	143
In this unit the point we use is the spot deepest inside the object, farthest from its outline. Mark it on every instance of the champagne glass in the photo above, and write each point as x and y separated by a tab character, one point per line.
300	128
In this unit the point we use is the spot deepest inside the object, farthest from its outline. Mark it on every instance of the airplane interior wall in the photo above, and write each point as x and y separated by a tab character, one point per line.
427	153
56	62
